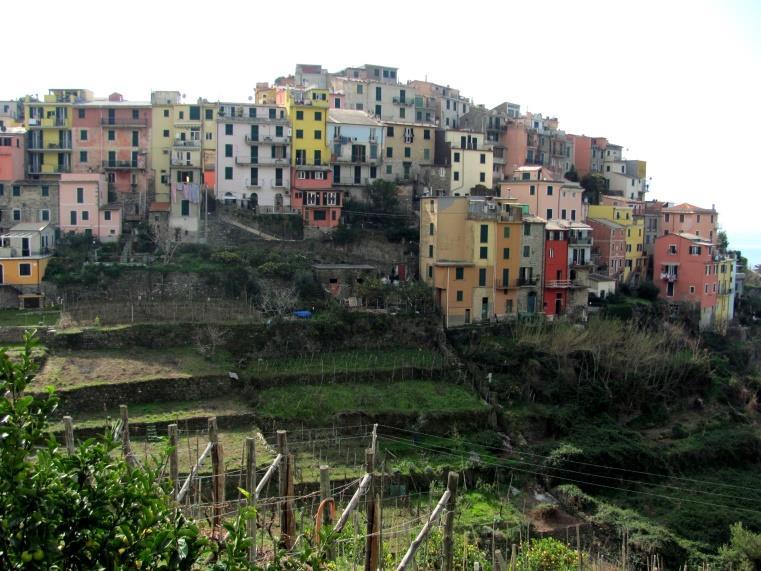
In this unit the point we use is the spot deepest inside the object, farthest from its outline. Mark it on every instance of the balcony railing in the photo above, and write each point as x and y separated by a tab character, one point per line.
186	144
405	101
65	146
527	282
504	284
560	283
123	122
244	160
62	168
175	162
580	241
121	164
668	276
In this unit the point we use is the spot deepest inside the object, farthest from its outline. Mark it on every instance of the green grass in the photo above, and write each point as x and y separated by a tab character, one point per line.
74	369
346	362
28	317
311	403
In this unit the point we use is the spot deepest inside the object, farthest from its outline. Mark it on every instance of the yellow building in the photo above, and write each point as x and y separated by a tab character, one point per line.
470	163
308	112
724	309
470	254
635	261
408	147
49	124
183	152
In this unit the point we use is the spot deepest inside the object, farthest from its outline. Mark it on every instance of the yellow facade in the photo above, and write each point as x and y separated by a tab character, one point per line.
723	310
32	274
308	113
635	233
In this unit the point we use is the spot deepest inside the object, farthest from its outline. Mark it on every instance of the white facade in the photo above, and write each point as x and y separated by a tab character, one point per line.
472	164
356	145
385	101
253	156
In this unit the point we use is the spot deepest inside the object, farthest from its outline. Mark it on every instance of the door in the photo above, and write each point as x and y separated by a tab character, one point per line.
467	317
558	306
532	302
25	251
357	175
484	308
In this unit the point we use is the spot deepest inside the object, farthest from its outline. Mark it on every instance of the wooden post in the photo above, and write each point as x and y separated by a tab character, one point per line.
409	557
513	557
218	475
173	460
500	561
578	547
325	492
126	452
68	424
372	544
282	448
289	501
251	489
452	479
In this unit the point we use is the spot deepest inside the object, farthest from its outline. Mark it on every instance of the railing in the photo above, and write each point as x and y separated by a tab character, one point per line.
175	162
186	144
62	168
129	164
243	160
525	282
124	122
405	101
668	276
60	146
60	122
500	284
560	283
580	241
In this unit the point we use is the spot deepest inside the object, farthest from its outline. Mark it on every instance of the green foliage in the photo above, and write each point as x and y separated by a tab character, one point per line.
572	174
594	186
308	288
547	554
648	291
743	551
405	297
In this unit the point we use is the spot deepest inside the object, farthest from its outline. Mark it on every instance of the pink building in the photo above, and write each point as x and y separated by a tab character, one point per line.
12	149
686	271
84	207
114	136
313	194
515	141
609	249
691	219
545	195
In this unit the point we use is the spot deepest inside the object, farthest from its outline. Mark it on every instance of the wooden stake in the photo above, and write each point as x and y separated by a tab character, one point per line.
372	544
513	557
126	452
218	475
174	460
452	479
251	489
409	557
500	561
68	424
291	493
578	547
282	448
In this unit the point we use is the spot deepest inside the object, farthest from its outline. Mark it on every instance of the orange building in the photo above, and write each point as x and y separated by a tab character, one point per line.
691	219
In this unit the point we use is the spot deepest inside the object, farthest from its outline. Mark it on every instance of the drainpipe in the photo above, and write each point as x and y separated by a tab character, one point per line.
447	318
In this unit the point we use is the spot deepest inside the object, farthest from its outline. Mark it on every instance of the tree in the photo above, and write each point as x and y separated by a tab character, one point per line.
723	241
744	549
594	186
165	241
572	175
278	301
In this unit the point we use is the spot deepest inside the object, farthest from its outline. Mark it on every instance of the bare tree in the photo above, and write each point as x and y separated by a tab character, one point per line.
278	301
165	240
209	338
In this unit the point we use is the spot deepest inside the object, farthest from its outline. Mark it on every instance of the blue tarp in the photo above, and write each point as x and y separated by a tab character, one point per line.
302	314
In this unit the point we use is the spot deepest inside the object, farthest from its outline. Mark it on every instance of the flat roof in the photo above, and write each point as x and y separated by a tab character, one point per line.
107	103
29	227
605	222
352	117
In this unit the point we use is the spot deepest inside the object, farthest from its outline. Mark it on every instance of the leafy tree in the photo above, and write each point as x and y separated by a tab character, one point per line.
744	549
723	241
572	174
647	290
594	186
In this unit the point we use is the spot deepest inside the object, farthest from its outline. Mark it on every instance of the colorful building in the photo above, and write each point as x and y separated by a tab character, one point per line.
84	207
449	105
635	262
312	189
25	251
408	150
691	219
375	90
12	151
114	136
609	249
254	157
467	163
567	251
725	298
356	141
28	201
686	267
471	255
545	194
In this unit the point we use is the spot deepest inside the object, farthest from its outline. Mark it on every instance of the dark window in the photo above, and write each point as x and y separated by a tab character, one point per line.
484	233
135	138
377	93
107	215
81	113
45	190
16	190
459	295
166	132
389	152
482	177
481	277
506	232
85	215
483	159
209	114
82	156
484	252
318	134
319	215
228	128
273	113
279	131
389	131
505	253
83	134
25	269
228	173
318	115
407	152
456	157
378	110
166	112
195	113
111	135
549	190
186	208
527	229
299	133
228	150
80	195
459	273
73	217
299	115
135	115
426	134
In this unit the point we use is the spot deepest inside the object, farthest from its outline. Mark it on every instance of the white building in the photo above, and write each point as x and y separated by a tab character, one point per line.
356	143
253	156
384	100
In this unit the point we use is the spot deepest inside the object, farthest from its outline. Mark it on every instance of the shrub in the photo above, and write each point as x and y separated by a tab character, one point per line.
547	554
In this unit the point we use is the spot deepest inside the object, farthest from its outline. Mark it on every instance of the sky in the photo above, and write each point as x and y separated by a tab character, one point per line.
676	83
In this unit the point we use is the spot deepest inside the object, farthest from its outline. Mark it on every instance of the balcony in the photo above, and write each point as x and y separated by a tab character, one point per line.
62	168
177	162
560	284
123	122
500	284
527	282
405	101
243	118
179	143
122	165
669	277
275	140
245	161
65	146
580	241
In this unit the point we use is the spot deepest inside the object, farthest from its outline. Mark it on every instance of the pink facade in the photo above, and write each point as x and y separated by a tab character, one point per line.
313	194
691	219
545	198
609	247
114	136
637	206
685	270
582	153
84	208
514	139
12	149
337	101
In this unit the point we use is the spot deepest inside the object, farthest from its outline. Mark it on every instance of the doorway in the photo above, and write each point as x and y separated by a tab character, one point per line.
467	316
559	304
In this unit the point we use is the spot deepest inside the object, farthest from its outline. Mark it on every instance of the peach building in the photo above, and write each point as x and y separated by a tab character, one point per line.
515	141
692	219
546	195
84	207
686	271
609	249
582	153
12	147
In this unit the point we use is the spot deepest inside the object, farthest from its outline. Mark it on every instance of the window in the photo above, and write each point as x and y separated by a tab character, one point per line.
430	229
407	152
16	214
2	189
107	215
373	172
135	114
482	177
299	133
166	132
481	277
483	159
505	253
426	154
402	113
549	213
272	113
83	134
681	218
228	128
378	110
484	252
706	288
549	190
389	152
135	138
111	135
526	251
25	269
80	195
378	93
506	231
195	113
695	250
228	150
279	131
389	169
228	173
456	175
45	215
459	273
532	190
299	115
166	112
389	131
563	213
430	272
484	233
459	295
573	214
692	289
456	158
318	115
45	190
426	134
82	156
430	250
81	113
85	215
185	208
360	89
317	134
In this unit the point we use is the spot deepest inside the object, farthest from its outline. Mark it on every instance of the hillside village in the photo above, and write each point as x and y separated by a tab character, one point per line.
360	322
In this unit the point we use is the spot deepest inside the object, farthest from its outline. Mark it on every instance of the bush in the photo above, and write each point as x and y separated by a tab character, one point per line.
648	291
547	554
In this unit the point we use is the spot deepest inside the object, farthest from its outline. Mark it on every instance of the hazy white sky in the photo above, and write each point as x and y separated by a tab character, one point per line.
675	82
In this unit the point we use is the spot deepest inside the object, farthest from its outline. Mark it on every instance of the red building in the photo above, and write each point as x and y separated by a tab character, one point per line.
686	271
609	250
556	282
313	194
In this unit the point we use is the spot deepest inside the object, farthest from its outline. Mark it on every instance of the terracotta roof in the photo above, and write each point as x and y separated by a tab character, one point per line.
687	207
